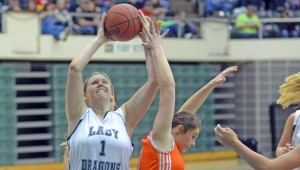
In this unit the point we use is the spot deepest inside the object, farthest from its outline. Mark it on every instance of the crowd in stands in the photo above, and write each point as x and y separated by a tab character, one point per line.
60	17
246	16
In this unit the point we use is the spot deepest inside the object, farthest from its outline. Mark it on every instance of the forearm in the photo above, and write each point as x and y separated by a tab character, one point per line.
196	100
150	66
254	159
164	73
83	58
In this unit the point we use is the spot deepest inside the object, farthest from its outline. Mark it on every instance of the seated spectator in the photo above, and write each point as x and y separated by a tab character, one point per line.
179	26
248	23
87	25
52	24
288	29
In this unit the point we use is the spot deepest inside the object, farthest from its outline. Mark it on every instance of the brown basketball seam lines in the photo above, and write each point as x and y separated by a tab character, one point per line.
120	22
130	20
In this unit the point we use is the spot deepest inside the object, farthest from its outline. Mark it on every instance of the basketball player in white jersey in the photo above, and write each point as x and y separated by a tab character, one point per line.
99	138
290	137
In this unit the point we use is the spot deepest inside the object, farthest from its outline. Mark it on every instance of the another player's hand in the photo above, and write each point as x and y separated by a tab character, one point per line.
101	33
221	78
287	148
146	20
225	136
153	35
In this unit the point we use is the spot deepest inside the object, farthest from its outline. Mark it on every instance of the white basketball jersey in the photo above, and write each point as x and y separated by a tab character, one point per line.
296	132
97	145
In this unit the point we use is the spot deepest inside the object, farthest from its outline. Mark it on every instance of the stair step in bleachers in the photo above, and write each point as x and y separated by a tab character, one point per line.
34	149
27	112
33	87
32	137
35	160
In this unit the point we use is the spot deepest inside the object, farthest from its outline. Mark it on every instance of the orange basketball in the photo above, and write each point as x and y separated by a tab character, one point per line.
122	22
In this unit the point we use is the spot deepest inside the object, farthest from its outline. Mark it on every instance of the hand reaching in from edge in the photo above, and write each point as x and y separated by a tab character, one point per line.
225	136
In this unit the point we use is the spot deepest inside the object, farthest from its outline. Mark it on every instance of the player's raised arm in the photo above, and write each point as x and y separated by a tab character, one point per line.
75	101
196	100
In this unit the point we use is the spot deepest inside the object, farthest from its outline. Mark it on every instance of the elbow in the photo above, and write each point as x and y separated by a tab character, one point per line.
74	68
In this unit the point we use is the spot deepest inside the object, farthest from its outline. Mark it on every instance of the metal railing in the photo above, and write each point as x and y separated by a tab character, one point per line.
197	20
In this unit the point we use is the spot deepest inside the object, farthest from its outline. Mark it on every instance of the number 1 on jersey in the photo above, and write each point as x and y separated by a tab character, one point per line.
102	153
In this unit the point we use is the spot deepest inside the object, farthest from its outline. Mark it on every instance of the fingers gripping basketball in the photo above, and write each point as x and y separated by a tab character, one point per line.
122	22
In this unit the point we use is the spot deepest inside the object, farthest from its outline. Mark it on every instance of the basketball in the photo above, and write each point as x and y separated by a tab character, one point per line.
122	22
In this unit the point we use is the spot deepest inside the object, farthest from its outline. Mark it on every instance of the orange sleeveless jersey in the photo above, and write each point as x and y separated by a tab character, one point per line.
154	159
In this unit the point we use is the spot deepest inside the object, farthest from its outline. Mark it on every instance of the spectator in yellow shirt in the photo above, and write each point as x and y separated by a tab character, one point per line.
248	23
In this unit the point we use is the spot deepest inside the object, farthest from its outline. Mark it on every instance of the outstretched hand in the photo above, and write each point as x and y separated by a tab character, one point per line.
101	33
221	78
151	35
225	136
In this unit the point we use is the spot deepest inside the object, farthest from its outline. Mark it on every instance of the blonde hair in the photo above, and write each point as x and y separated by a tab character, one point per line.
289	91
